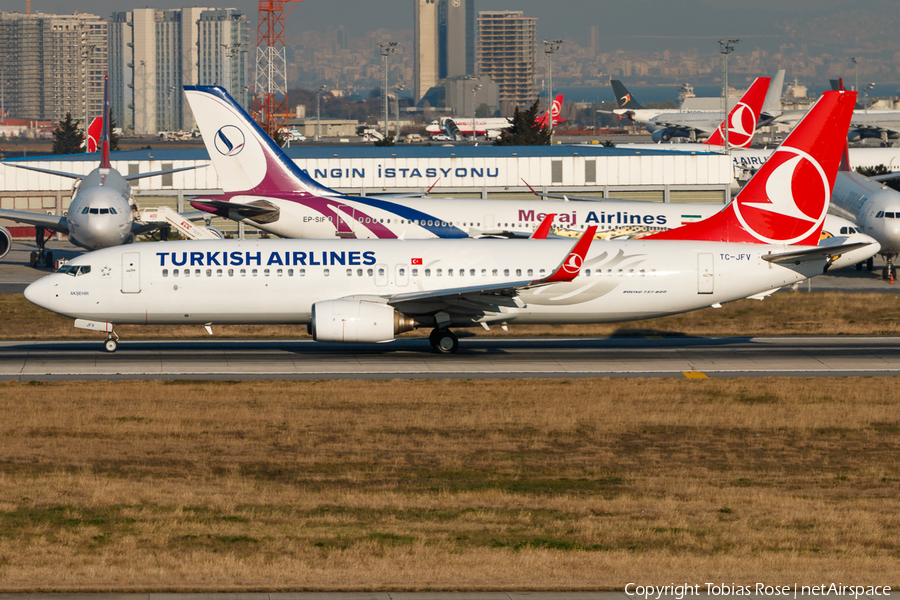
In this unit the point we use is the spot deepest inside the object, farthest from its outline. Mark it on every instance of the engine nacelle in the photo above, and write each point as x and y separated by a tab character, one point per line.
354	321
5	241
661	135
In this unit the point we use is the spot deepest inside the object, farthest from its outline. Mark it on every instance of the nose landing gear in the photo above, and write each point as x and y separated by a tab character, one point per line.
112	342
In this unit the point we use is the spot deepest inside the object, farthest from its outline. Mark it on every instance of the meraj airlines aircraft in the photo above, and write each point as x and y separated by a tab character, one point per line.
490	127
744	118
372	290
265	188
100	215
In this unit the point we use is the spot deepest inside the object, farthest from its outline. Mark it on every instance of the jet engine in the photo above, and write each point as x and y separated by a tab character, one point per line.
357	321
5	241
661	135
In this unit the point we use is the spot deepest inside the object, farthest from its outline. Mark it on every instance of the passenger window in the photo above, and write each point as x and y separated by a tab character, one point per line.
415	272
642	273
218	272
187	272
484	272
301	272
266	272
439	272
542	272
196	272
449	272
326	272
587	272
231	272
243	272
279	272
349	272
518	272
370	272
165	272
471	272
402	272
359	272
494	273
290	272
174	272
531	272
380	271
209	272
427	272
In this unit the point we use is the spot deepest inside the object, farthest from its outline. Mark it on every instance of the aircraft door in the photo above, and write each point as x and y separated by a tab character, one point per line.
705	274
401	275
344	216
131	273
381	275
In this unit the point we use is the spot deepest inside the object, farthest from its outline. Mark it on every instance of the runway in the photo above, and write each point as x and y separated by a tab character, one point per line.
512	358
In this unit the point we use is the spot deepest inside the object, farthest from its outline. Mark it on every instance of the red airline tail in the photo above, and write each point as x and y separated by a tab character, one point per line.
104	136
786	200
743	117
552	113
93	134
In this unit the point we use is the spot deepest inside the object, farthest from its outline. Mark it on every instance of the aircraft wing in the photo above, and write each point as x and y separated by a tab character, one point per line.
477	299
824	251
700	127
51	222
224	208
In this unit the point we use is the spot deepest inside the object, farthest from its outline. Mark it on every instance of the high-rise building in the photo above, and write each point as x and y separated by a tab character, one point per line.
425	71
506	53
456	38
52	65
445	41
155	52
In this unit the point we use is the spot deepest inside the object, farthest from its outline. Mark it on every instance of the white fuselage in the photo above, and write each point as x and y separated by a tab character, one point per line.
100	213
278	281
459	218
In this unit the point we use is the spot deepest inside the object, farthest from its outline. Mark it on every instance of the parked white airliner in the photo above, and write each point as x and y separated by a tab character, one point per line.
101	213
371	290
266	188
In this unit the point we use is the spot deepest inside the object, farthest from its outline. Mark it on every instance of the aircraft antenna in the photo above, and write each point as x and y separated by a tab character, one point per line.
270	97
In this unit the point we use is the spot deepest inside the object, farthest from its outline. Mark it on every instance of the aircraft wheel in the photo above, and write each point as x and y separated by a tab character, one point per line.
111	345
444	341
32	260
884	273
870	263
859	266
48	260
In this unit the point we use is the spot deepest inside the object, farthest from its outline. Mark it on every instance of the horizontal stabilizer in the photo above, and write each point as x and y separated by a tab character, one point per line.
47	171
797	257
155	173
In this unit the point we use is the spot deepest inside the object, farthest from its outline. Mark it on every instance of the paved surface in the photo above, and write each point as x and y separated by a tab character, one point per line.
477	358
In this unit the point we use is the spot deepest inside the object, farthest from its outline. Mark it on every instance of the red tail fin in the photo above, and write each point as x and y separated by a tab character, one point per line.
104	136
743	117
93	134
786	200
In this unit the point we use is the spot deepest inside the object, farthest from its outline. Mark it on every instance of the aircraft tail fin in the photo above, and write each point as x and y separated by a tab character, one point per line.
623	98
104	134
772	103
785	202
743	117
245	157
553	113
92	141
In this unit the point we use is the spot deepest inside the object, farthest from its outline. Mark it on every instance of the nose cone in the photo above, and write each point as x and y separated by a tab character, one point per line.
39	292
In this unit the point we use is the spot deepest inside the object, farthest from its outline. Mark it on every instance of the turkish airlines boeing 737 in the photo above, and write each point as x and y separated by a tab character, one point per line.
371	290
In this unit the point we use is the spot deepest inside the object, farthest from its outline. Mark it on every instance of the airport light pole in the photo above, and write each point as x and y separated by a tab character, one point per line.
549	49
319	91
397	89
867	89
856	72
387	48
726	48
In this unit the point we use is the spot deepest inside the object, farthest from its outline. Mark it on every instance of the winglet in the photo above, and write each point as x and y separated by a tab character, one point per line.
569	268
544	228
104	137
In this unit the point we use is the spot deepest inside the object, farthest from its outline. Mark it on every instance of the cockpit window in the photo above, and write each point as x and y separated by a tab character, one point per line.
84	211
880	214
74	270
888	215
112	211
95	211
104	211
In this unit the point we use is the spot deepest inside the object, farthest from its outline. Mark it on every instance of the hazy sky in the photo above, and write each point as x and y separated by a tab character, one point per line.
623	24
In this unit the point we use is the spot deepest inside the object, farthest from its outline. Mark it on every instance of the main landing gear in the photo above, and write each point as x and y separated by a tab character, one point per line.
444	341
41	256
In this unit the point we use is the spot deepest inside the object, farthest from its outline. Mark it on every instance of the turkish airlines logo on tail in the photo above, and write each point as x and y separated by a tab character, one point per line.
573	264
788	205
741	126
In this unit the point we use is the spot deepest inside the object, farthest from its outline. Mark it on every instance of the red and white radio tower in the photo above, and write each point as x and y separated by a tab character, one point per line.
270	97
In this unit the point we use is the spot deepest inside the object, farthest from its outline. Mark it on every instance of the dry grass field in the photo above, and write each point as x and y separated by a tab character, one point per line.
780	314
586	484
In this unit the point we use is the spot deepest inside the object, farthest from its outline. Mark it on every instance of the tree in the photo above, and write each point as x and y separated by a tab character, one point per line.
524	130
113	138
387	141
879	170
483	111
67	138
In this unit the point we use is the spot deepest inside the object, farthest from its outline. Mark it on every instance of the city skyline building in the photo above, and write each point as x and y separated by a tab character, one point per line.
506	53
456	38
425	68
52	65
153	53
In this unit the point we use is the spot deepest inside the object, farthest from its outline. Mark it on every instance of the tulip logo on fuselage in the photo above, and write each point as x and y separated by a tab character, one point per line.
229	140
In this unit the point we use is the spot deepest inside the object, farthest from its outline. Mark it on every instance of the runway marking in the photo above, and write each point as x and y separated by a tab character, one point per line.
695	375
